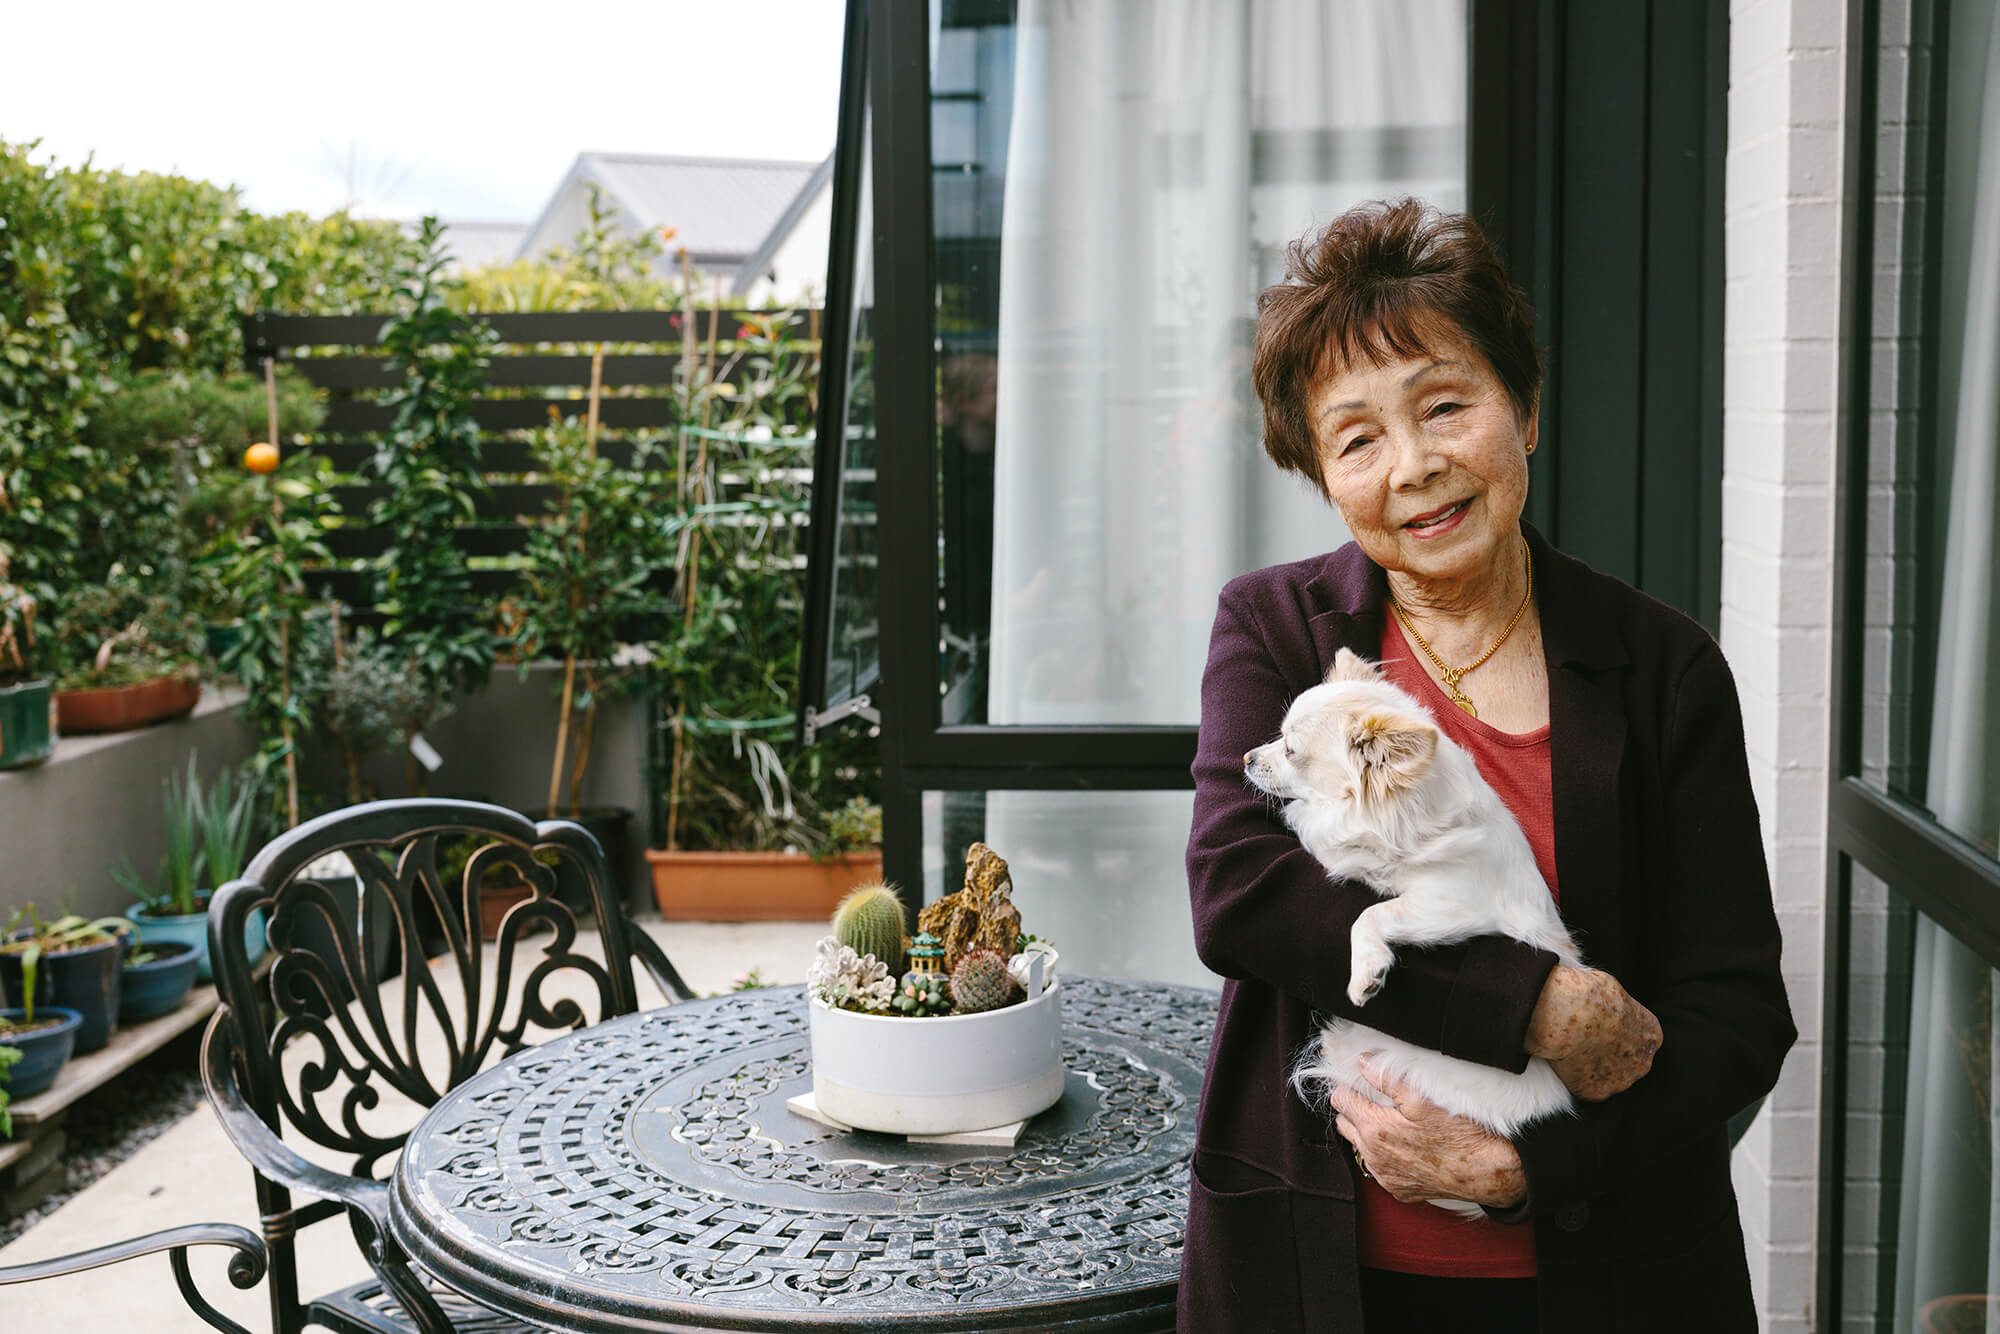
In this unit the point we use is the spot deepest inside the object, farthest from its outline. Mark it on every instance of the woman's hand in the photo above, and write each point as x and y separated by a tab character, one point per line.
1419	1151
1589	1028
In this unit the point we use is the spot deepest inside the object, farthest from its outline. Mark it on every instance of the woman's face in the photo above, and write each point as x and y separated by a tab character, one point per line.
1426	460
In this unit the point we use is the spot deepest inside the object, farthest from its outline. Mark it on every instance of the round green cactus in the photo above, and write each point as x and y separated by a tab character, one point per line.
981	982
870	921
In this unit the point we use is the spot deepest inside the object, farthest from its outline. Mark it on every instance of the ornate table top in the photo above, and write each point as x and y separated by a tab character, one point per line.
646	1174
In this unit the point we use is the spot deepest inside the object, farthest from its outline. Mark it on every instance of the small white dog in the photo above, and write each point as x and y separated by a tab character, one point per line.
1379	794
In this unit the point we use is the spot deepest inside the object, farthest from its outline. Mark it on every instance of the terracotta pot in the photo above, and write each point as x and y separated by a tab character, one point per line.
121	708
755	886
493	905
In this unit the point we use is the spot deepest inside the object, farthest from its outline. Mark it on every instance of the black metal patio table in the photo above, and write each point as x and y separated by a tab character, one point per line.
646	1174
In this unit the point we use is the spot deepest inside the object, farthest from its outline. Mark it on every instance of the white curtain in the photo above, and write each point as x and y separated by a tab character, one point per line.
1162	154
1949	1237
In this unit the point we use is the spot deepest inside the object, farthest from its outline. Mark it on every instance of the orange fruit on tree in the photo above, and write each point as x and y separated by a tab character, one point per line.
261	457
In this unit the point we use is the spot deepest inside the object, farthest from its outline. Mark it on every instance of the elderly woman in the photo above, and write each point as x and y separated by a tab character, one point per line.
1398	372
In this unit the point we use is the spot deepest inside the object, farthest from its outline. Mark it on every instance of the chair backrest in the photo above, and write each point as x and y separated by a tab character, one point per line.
356	1006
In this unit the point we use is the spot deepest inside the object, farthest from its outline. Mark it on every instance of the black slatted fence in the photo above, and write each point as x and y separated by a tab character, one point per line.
541	364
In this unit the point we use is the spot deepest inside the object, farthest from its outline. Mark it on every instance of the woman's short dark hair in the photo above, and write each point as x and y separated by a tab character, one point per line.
1382	281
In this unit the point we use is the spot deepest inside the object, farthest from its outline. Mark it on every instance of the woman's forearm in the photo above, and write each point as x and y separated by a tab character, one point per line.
1599	1039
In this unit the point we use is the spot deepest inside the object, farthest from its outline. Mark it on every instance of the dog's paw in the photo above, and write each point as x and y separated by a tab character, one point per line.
1371	969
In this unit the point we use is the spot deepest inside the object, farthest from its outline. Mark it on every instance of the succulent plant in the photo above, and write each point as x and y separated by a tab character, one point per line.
870	921
921	995
981	982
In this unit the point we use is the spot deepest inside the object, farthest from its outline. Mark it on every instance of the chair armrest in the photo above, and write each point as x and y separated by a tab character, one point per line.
648	952
260	1146
246	1267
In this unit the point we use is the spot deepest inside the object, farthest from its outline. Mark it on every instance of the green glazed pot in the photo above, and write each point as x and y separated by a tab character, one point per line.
27	724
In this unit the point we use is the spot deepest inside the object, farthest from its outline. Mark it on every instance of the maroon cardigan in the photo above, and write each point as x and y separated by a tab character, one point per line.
1663	884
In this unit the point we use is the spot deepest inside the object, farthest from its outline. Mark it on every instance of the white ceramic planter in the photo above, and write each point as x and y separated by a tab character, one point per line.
942	1075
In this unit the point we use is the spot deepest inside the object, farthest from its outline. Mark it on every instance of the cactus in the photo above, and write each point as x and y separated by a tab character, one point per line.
981	982
870	921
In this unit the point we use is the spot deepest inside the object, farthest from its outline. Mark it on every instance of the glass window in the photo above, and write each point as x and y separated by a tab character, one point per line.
1922	1245
1113	184
1930	720
1086	873
853	648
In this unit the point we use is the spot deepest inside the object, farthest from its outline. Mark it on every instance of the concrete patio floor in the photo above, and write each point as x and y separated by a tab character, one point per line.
192	1174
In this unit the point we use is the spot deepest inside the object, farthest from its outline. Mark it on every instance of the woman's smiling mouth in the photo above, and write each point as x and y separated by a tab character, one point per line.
1438	521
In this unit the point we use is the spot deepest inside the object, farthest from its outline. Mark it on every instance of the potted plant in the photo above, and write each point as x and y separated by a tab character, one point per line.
958	1029
207	832
747	829
125	657
70	962
45	1036
28	724
154	979
588	597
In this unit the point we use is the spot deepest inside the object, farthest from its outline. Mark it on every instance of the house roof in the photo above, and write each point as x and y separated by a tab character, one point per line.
759	259
723	209
475	243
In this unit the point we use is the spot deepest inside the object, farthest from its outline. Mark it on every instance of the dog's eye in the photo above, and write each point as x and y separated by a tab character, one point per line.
1288	750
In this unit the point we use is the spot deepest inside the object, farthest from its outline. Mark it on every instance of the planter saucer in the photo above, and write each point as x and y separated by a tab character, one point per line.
1004	1137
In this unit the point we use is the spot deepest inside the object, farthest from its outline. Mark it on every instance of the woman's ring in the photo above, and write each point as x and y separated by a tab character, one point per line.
1362	1167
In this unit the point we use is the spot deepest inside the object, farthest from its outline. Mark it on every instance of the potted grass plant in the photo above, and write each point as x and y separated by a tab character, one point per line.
207	832
71	962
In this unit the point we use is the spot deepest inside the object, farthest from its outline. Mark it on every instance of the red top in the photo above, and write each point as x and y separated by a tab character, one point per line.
1422	1238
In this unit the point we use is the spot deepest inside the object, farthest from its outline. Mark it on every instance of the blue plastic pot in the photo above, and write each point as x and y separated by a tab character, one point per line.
84	979
42	1051
158	986
192	929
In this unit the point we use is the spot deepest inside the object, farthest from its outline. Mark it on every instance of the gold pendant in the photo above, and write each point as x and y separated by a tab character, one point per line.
1464	703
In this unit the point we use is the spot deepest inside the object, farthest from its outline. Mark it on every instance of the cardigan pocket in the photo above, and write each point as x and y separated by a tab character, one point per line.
1240	1267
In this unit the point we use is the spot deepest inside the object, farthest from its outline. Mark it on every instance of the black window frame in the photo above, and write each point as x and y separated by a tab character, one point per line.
1535	117
1929	867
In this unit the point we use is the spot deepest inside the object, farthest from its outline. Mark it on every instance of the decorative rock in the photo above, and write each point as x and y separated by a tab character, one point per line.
981	915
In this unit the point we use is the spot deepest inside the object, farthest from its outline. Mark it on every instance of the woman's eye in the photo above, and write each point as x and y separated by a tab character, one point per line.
1354	444
1442	408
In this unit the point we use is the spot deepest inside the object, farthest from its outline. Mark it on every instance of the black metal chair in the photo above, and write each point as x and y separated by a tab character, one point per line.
310	1048
246	1267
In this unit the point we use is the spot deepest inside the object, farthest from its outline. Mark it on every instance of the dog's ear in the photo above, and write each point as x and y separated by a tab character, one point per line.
1351	666
1394	751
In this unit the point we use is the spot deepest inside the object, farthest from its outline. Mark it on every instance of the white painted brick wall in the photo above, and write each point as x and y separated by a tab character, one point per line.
1781	216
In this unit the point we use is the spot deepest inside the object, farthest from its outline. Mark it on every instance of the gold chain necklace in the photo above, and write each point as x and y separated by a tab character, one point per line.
1453	675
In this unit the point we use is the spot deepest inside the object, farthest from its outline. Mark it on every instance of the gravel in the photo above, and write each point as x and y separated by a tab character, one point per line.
110	1124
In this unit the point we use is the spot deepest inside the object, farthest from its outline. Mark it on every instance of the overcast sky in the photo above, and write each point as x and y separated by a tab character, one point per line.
471	109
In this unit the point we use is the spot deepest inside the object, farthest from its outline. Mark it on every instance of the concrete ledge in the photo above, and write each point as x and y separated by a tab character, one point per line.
96	802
